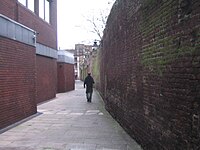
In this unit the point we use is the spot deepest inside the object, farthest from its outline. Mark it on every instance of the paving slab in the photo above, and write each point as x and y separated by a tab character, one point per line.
68	122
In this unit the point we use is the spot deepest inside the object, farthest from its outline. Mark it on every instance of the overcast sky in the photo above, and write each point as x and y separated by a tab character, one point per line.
73	27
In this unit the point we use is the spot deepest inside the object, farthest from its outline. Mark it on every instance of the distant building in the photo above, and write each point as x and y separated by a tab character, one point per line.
65	71
72	51
81	54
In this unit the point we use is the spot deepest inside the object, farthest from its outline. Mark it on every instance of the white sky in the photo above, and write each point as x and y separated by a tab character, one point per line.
73	27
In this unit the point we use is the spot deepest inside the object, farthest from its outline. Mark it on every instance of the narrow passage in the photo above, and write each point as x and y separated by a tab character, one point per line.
68	122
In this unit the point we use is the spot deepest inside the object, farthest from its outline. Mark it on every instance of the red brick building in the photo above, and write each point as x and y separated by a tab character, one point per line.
65	68
28	57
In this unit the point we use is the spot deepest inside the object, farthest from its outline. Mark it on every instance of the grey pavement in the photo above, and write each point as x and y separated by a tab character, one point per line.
68	122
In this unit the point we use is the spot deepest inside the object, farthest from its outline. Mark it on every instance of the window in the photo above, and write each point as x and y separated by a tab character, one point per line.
28	3
41	9
47	11
22	2
44	9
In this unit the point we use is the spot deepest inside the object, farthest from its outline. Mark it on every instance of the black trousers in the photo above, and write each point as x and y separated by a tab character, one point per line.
89	96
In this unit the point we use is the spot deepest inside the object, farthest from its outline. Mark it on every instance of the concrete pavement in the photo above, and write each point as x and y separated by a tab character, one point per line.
68	122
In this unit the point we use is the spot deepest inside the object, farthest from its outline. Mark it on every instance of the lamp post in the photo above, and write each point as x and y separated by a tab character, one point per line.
95	46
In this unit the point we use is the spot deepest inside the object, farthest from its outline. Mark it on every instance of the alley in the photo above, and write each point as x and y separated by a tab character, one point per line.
68	122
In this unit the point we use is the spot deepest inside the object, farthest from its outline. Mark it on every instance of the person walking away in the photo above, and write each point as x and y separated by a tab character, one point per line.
88	82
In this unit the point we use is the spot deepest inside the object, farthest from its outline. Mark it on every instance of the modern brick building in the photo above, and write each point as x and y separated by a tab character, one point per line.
66	74
28	57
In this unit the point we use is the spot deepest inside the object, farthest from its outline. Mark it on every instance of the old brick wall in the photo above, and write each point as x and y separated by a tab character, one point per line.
66	79
17	81
95	68
46	78
150	71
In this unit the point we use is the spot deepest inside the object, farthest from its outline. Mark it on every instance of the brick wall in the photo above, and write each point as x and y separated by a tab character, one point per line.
46	67
66	79
17	81
8	8
46	78
47	33
19	67
150	71
95	68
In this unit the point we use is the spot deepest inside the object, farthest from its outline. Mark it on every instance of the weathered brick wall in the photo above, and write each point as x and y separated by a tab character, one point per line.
46	78
66	79
17	81
95	65
150	71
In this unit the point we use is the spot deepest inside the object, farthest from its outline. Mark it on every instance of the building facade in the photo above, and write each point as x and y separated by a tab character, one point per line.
28	57
65	71
82	60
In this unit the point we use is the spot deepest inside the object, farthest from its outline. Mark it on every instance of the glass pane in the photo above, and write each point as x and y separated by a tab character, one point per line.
22	2
47	10
31	5
41	8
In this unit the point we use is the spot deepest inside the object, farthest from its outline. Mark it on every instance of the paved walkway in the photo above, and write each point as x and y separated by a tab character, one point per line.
68	122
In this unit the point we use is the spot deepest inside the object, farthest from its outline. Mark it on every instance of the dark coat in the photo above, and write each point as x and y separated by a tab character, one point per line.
89	81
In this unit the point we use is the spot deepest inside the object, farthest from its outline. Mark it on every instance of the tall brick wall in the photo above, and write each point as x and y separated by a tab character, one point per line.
17	81
46	78
150	71
95	68
19	67
45	66
66	79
